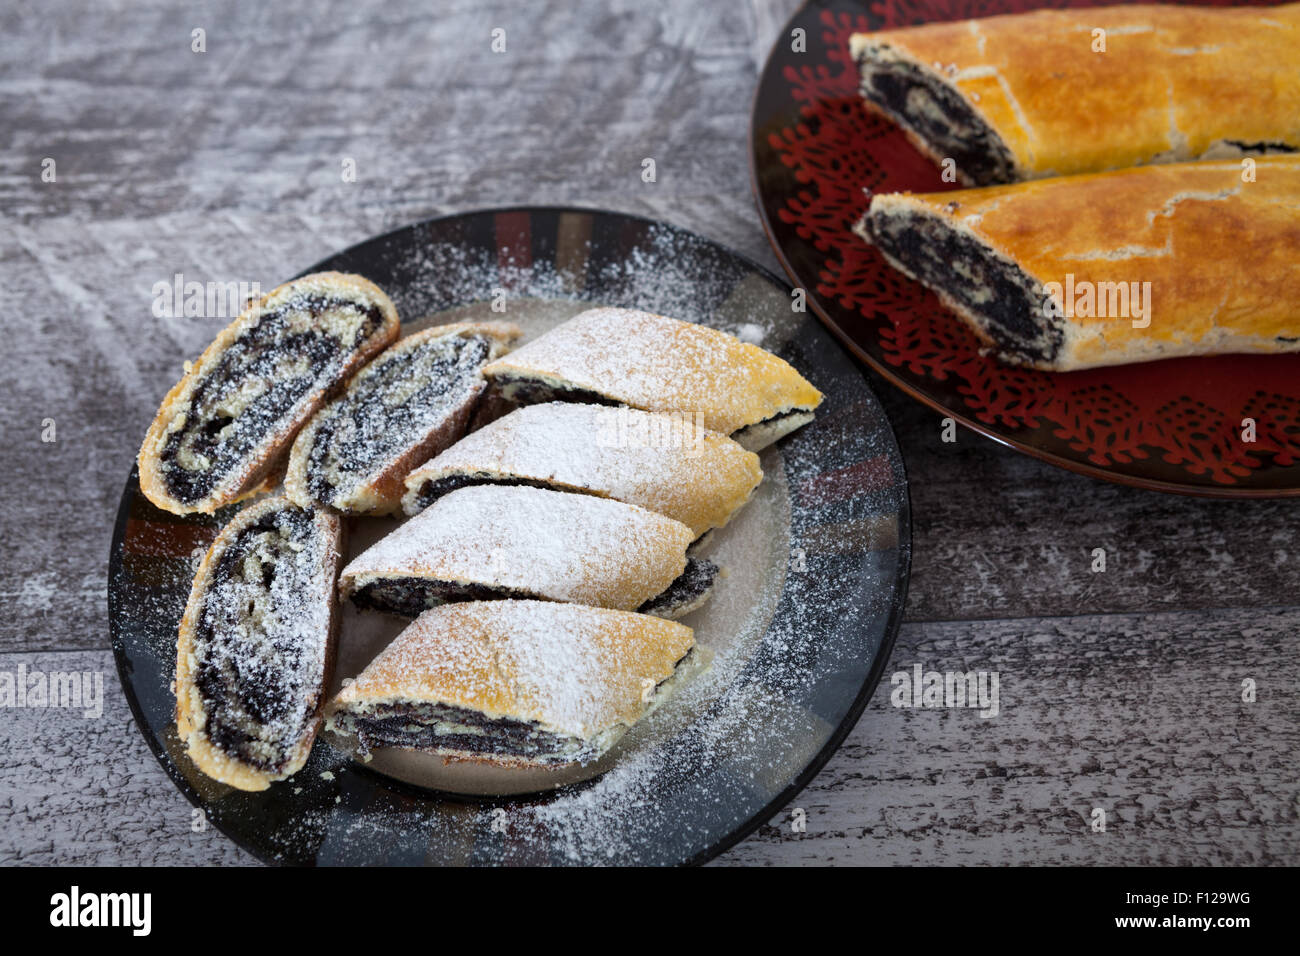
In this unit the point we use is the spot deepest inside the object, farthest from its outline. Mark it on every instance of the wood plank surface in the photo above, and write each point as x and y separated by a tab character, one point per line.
1119	690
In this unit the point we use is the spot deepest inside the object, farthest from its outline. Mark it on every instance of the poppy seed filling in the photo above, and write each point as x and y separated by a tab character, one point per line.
742	435
431	726
686	593
257	678
434	488
256	383
403	396
938	114
418	725
1009	305
412	596
524	389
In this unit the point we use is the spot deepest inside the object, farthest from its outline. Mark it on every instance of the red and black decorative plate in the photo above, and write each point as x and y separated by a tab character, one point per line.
1175	425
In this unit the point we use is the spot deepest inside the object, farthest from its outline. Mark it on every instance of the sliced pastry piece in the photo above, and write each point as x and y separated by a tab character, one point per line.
498	541
658	364
1127	266
665	463
221	431
1059	92
256	644
411	402
513	683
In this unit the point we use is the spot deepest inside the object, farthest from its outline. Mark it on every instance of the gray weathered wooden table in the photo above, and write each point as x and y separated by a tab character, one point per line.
1120	690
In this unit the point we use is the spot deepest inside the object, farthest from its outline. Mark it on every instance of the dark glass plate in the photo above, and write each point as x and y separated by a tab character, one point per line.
830	529
1174	425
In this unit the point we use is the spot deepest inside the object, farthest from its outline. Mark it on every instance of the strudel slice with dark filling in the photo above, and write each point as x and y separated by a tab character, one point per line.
256	644
221	432
501	541
1128	266
1063	92
408	404
657	364
513	683
664	463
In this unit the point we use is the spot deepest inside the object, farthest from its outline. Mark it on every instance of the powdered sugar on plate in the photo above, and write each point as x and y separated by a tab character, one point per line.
812	585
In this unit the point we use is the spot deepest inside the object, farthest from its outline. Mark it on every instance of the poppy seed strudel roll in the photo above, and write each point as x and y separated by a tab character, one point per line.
1126	266
660	462
408	404
500	541
657	364
1061	92
513	683
221	431
256	644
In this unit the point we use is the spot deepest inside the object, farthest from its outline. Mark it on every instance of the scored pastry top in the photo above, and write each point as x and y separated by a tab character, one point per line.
570	669
660	364
1180	82
1145	224
553	544
666	463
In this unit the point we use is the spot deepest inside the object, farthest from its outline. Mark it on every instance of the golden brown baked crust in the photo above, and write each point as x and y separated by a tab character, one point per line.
660	462
311	614
1175	83
257	470
381	492
659	364
1219	253
580	672
533	542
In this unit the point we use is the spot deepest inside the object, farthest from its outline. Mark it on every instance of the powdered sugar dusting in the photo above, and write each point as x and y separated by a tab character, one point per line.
259	644
735	728
572	669
423	386
243	401
662	364
551	544
809	583
668	464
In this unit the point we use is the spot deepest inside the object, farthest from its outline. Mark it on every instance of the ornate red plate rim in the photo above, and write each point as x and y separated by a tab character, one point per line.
803	17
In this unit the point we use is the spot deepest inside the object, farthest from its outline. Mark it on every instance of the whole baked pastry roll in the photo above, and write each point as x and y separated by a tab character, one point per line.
411	402
497	541
660	462
1038	94
657	364
513	683
221	431
1110	268
256	644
